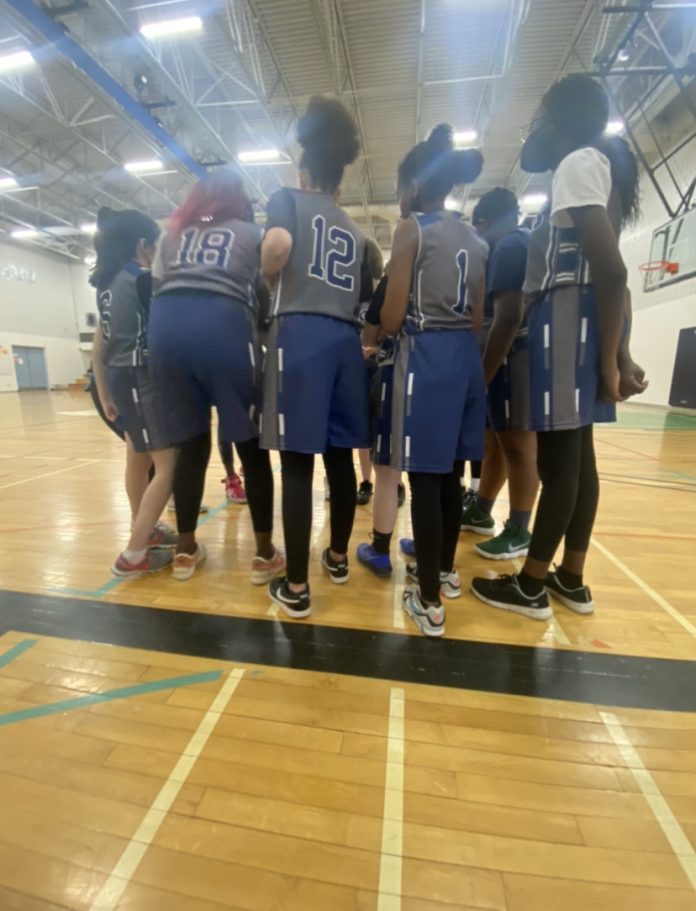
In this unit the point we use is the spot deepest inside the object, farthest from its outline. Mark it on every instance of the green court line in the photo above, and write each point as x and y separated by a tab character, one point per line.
16	651
124	692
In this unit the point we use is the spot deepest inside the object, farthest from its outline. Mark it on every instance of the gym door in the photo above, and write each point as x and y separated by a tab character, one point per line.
30	367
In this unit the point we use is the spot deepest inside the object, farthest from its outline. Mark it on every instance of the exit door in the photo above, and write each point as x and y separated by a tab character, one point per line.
30	367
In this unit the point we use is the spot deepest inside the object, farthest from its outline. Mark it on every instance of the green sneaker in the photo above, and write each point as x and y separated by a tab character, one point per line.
476	520
512	542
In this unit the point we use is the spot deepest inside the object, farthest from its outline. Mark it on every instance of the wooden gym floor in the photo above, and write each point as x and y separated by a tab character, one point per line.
175	746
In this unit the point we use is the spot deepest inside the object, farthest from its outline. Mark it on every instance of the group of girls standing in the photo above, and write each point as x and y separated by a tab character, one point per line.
162	364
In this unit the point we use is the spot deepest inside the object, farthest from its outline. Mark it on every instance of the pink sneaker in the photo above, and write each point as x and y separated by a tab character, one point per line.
185	565
153	562
262	571
234	489
163	537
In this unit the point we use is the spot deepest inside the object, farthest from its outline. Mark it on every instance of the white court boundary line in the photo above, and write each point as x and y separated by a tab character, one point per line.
662	812
134	851
390	862
657	598
49	474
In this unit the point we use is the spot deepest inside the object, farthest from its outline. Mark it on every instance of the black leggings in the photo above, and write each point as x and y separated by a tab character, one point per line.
189	481
436	513
298	474
569	492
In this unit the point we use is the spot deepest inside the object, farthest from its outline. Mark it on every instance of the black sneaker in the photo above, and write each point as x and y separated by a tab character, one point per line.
505	592
337	571
576	599
295	604
401	495
364	493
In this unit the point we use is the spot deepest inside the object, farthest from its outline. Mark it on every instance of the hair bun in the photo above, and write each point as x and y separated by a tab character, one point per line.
441	138
104	215
328	128
467	165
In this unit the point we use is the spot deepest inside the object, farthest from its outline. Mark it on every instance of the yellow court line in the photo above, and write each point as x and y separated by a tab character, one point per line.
390	862
49	474
657	598
134	851
666	819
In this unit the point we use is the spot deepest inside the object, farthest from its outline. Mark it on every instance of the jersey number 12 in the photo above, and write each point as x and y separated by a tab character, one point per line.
333	253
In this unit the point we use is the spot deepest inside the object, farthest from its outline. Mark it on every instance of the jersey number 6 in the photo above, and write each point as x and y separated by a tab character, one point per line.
329	265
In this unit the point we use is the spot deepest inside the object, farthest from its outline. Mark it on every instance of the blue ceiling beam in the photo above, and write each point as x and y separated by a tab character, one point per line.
64	46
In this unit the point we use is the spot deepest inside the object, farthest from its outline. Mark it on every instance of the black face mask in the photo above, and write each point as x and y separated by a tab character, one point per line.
537	151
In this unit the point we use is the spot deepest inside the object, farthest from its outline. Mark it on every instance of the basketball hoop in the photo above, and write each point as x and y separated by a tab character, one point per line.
660	265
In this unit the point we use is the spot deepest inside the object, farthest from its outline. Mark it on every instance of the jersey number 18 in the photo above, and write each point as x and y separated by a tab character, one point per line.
207	247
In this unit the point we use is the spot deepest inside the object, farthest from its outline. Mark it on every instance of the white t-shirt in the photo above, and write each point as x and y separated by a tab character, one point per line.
583	178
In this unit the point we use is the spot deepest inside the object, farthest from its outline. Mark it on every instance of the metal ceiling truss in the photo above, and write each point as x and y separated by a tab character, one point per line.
334	43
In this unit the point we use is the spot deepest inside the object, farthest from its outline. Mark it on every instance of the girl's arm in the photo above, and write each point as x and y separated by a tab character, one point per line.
508	311
633	380
99	369
404	251
276	247
600	246
479	303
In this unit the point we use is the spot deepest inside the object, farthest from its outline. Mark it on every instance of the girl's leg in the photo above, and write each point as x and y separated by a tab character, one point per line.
493	474
138	466
154	499
189	481
475	466
365	464
559	459
579	532
426	517
343	487
451	510
226	456
259	484
385	506
519	448
298	473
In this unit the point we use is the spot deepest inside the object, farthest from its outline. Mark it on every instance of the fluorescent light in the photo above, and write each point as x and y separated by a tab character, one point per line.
533	200
623	56
90	260
25	233
140	167
89	227
452	205
464	137
259	156
8	183
614	127
16	61
170	27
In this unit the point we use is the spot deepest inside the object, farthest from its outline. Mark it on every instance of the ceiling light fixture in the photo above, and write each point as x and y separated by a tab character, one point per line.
169	28
465	137
259	156
17	61
89	227
532	200
141	167
25	233
90	260
614	127
8	183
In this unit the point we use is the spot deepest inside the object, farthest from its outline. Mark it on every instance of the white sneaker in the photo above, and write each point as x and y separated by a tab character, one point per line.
185	565
450	583
430	618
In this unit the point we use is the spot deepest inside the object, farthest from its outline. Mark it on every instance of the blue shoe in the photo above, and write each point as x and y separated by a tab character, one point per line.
408	547
379	564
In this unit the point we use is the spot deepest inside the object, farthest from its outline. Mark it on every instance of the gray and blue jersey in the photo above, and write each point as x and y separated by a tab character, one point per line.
449	266
123	313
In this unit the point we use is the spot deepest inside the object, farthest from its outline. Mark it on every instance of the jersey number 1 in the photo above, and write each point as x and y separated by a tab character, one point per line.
329	265
462	268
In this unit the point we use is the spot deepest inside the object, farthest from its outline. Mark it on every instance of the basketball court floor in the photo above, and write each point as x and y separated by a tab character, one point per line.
177	746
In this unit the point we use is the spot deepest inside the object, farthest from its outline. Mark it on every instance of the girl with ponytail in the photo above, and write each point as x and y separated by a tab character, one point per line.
432	394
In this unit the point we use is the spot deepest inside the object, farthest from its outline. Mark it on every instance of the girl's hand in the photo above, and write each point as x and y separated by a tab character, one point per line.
110	409
370	351
609	385
633	380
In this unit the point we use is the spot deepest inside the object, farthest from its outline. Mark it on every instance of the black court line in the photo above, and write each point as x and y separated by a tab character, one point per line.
545	673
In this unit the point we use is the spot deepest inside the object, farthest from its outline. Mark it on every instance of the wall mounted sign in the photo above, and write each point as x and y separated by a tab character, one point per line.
16	273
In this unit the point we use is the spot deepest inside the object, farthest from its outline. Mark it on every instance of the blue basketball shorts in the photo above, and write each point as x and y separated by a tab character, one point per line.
432	403
507	397
204	352
316	388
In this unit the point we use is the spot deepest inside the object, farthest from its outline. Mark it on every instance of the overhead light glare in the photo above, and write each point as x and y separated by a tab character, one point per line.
452	205
8	183
168	28
90	260
535	199
25	233
89	227
614	127
17	61
259	156
465	137
623	56
141	167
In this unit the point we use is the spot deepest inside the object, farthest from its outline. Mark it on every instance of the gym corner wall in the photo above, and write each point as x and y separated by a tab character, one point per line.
44	313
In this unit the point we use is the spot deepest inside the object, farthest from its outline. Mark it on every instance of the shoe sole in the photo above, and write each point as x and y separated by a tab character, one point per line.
127	573
571	605
162	546
341	581
380	573
544	613
510	555
236	501
432	632
443	591
294	614
185	575
263	577
477	530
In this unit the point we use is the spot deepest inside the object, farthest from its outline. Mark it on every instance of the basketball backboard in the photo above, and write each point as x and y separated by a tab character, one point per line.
674	242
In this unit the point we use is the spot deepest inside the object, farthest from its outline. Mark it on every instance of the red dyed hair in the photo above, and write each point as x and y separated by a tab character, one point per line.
217	197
